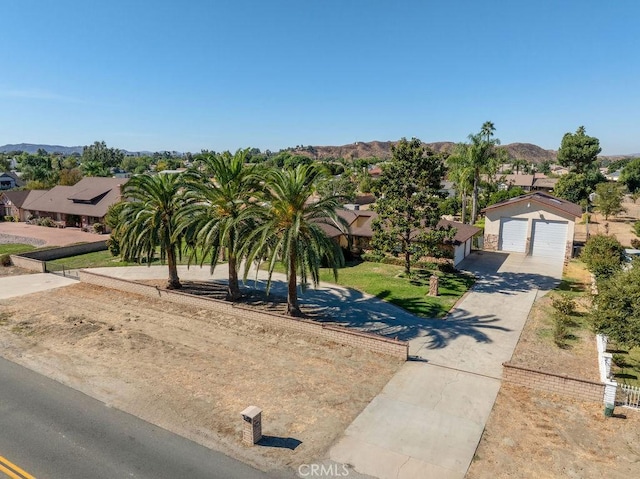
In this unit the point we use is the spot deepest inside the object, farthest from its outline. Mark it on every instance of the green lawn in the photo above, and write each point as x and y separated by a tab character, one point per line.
15	248
386	282
101	259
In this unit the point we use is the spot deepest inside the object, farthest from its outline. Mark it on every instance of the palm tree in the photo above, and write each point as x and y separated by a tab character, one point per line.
220	189
289	230
487	130
461	174
481	153
518	164
149	220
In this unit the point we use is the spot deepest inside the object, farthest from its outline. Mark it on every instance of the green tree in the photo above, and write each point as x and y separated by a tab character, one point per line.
214	218
341	187
630	175
289	229
578	151
69	177
461	173
603	255
102	155
408	209
577	187
518	164
501	195
149	220
482	157
616	310
609	198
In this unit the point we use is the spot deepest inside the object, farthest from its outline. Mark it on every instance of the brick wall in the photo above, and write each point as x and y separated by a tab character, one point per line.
371	342
553	383
28	263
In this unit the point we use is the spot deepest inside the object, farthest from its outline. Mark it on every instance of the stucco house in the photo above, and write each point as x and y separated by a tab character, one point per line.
360	232
537	224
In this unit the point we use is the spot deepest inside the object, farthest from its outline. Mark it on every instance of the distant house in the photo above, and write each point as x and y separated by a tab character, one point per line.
9	180
535	182
80	205
11	202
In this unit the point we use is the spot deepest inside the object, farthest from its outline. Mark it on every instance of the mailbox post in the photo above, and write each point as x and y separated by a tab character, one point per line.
252	425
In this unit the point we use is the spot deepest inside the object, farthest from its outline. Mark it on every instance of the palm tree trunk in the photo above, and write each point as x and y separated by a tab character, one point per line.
474	201
292	298
233	290
174	281
463	216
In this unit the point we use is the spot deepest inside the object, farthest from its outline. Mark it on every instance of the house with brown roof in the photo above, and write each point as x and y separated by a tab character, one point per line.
11	202
359	233
536	224
80	205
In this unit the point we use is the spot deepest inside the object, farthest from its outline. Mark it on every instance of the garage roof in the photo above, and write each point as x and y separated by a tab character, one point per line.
544	199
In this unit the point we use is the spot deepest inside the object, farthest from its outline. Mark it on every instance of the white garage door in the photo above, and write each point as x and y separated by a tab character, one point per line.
513	234
458	254
549	238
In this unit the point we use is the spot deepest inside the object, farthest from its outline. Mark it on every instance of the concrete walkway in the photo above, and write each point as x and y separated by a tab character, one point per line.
428	420
12	286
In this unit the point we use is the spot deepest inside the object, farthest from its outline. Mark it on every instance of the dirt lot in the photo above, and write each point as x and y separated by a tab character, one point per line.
533	434
619	226
13	271
192	371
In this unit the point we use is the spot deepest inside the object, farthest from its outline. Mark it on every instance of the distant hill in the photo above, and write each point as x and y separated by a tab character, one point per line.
33	148
382	149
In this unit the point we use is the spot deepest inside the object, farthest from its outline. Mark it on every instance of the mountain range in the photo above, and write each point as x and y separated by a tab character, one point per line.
379	149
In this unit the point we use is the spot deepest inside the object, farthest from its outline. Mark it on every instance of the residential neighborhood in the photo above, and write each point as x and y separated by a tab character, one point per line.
319	240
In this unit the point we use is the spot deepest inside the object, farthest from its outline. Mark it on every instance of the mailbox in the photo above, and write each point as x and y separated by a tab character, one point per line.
252	425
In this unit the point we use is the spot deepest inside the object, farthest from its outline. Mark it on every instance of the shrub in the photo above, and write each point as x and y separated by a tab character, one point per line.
635	243
372	257
46	221
98	228
5	260
603	255
560	329
564	305
9	218
114	246
636	228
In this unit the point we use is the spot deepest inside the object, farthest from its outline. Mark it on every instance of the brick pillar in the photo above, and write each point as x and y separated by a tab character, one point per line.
252	425
433	285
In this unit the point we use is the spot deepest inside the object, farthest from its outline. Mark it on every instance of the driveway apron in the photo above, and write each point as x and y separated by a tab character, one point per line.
428	420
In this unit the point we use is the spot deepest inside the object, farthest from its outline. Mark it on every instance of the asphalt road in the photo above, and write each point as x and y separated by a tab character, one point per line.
52	431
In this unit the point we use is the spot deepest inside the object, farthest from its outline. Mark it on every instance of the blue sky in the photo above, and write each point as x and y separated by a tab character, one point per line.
169	75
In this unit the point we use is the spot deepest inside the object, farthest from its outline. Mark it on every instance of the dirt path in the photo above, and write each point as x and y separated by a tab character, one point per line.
193	371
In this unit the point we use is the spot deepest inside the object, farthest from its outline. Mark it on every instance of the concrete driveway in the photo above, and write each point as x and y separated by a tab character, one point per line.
428	420
11	286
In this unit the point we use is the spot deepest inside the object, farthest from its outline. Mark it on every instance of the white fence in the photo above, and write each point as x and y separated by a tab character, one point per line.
614	393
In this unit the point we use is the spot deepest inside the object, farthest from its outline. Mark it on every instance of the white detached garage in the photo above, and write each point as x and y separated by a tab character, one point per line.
538	224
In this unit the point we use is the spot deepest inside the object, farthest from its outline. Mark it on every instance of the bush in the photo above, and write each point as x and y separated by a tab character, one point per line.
5	260
46	221
9	218
113	245
635	243
603	255
636	228
564	305
560	329
98	228
372	257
